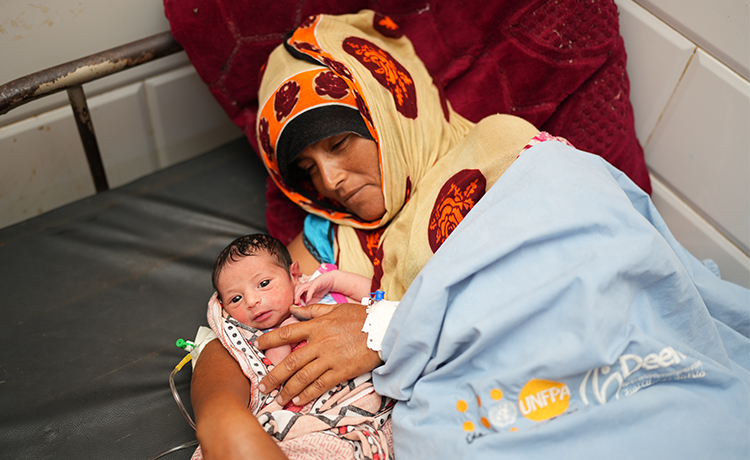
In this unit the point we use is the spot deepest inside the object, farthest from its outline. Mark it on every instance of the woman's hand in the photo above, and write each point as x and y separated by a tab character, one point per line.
336	351
220	393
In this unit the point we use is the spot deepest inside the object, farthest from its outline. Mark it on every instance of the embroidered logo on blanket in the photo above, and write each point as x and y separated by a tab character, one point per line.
538	401
542	400
633	373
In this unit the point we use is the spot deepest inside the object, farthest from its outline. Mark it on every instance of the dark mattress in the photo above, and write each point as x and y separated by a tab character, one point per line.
94	296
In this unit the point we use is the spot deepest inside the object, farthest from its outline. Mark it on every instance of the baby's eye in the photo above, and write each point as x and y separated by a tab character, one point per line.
236	299
264	283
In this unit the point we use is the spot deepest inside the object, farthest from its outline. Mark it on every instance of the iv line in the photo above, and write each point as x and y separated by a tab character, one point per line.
188	346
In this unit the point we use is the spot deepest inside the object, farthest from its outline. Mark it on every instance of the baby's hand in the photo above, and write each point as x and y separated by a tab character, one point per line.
312	291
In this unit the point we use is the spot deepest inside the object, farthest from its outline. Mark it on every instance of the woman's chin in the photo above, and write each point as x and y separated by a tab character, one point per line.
368	211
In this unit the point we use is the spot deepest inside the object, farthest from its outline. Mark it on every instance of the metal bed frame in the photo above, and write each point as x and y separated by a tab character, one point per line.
71	76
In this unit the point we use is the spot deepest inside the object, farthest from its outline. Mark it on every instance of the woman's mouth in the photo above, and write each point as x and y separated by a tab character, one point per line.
352	196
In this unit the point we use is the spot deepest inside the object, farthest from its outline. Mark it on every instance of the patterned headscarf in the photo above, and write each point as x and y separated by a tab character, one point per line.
435	164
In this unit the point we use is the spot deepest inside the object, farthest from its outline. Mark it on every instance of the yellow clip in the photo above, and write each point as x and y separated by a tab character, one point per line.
184	361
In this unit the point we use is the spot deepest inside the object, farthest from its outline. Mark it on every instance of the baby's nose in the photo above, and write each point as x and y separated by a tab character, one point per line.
253	301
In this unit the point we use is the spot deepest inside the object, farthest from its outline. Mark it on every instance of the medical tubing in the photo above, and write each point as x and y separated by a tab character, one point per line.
175	449
176	395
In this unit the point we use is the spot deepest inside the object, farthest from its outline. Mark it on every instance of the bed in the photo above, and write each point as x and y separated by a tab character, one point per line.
96	293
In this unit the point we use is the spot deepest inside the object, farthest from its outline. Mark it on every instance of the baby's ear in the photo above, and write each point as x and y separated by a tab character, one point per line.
295	272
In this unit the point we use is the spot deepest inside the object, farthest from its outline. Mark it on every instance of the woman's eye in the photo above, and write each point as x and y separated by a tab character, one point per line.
264	283
340	143
307	167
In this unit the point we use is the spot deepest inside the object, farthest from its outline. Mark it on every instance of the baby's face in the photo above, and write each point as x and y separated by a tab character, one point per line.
256	291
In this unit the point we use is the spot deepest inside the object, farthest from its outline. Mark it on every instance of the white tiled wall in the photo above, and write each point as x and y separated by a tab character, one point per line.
148	124
718	26
43	166
688	67
125	136
185	116
701	146
35	35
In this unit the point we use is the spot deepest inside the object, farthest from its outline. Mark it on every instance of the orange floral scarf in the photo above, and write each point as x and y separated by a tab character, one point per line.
435	164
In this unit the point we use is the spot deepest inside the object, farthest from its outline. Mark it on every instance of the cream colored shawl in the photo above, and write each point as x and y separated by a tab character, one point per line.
435	164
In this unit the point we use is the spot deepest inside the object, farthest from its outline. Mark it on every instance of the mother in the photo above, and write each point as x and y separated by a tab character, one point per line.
354	131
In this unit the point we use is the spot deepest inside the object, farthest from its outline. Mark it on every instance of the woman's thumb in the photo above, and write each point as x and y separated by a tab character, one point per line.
303	313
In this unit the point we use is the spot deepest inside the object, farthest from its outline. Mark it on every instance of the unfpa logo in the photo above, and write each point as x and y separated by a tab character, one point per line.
541	400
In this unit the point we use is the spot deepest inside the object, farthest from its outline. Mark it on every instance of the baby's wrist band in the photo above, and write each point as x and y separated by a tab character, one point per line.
379	316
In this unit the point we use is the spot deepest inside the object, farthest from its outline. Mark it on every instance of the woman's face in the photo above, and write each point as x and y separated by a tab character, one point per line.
346	168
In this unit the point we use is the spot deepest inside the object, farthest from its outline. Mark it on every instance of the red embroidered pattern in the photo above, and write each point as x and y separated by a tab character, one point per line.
285	100
386	26
456	198
304	46
338	67
377	266
387	71
370	242
265	138
363	109
308	21
331	85
408	190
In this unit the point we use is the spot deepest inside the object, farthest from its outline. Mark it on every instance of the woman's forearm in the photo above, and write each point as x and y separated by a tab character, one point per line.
220	394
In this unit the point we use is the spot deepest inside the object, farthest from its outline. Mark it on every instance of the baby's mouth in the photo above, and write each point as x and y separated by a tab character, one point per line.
260	317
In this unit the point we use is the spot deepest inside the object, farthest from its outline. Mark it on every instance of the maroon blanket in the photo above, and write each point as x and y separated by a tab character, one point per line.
560	64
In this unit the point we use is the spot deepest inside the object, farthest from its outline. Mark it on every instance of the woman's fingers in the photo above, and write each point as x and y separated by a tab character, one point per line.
311	311
307	384
336	351
285	335
299	366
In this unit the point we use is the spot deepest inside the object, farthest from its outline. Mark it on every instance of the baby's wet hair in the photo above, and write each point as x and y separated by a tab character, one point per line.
252	245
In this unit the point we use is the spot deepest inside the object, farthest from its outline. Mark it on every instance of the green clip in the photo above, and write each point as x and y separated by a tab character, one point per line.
181	343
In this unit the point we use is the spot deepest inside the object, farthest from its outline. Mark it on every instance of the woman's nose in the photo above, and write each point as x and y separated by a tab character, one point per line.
331	175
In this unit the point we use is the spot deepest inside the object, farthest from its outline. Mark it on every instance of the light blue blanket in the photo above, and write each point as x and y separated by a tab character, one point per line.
562	319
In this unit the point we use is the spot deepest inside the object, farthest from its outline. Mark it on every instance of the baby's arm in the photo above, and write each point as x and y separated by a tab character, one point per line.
352	285
276	354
